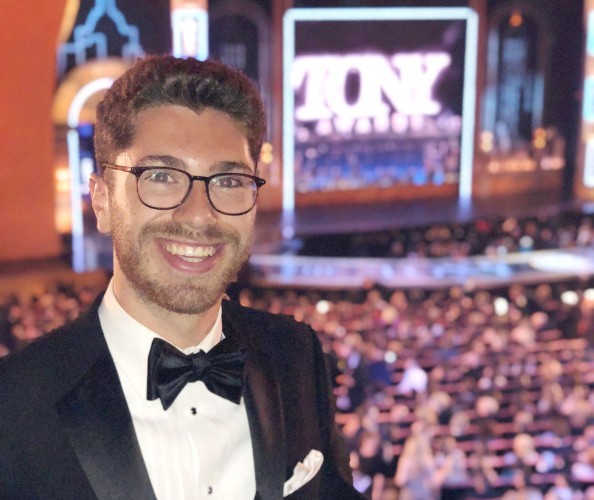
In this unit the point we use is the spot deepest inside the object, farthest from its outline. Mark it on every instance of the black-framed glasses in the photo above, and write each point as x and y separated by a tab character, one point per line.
165	188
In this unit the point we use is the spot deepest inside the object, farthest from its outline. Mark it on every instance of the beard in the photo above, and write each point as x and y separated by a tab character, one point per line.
182	295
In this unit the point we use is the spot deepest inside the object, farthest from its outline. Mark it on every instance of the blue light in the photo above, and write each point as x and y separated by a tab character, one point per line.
78	250
85	130
85	37
190	26
288	110
74	163
377	14
588	109
589	164
468	105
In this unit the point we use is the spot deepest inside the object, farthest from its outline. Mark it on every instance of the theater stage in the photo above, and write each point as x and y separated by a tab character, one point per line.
364	218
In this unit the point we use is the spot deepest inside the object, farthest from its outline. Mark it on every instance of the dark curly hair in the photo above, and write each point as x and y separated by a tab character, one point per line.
166	80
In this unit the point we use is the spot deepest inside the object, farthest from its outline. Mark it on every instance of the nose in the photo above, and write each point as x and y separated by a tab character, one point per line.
196	210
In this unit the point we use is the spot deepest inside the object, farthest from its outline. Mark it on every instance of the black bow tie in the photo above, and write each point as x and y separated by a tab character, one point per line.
169	370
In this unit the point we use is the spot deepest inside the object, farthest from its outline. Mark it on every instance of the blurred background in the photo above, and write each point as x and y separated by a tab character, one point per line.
429	210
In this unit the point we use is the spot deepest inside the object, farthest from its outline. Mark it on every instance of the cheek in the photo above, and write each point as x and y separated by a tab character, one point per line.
125	220
127	214
117	219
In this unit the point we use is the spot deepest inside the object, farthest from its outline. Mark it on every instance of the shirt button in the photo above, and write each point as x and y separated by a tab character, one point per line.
193	411
210	490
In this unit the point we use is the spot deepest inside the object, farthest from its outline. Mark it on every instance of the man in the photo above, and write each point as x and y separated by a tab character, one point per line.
163	389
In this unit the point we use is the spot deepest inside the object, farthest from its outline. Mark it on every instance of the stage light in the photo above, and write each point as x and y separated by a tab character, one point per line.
501	306
486	141
62	180
516	20
266	155
390	357
323	307
540	138
570	298
561	262
526	243
189	23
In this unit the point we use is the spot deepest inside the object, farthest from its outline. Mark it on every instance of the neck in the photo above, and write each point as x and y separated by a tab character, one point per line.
181	330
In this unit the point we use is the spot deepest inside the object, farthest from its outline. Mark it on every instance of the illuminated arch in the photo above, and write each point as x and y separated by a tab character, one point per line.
76	80
74	104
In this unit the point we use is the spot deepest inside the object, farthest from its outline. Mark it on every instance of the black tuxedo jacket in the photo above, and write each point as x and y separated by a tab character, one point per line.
66	432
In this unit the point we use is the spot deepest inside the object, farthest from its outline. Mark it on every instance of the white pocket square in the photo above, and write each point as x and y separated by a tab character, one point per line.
304	472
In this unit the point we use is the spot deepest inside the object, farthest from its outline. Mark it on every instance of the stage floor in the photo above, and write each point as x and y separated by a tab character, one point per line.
274	262
544	266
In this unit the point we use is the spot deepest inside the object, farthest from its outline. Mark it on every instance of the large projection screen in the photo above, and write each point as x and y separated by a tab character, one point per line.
378	97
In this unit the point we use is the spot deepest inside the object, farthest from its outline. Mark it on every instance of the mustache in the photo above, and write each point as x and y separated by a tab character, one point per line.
175	230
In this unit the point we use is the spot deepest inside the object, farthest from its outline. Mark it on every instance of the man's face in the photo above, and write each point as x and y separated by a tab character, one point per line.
181	259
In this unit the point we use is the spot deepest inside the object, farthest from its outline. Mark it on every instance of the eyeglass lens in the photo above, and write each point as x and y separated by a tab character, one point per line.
228	193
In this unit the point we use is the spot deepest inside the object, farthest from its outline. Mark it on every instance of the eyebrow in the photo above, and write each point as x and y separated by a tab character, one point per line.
173	162
166	160
229	166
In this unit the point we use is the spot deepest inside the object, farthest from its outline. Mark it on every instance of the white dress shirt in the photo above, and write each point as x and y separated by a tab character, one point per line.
200	448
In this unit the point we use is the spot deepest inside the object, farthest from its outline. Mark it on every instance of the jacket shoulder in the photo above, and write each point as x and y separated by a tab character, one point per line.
267	323
51	360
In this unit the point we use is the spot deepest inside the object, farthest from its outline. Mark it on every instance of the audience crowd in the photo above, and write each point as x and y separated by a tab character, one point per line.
448	393
457	394
568	229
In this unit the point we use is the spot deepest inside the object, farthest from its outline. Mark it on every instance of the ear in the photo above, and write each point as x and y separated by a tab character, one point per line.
100	202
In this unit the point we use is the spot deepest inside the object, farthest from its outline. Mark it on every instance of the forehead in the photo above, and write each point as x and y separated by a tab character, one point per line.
204	136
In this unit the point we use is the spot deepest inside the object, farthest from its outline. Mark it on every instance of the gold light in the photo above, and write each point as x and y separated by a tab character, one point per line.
266	155
516	20
486	141
540	138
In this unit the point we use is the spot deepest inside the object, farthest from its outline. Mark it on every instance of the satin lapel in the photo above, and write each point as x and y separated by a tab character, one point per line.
263	403
99	427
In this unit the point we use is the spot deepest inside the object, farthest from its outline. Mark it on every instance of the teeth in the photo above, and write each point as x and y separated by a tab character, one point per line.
189	251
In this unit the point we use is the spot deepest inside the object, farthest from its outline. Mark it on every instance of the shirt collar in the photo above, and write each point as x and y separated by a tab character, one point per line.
129	341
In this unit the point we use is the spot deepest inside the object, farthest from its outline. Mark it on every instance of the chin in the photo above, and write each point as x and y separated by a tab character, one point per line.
182	298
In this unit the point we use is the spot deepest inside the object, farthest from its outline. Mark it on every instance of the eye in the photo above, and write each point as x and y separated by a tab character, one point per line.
230	181
159	176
